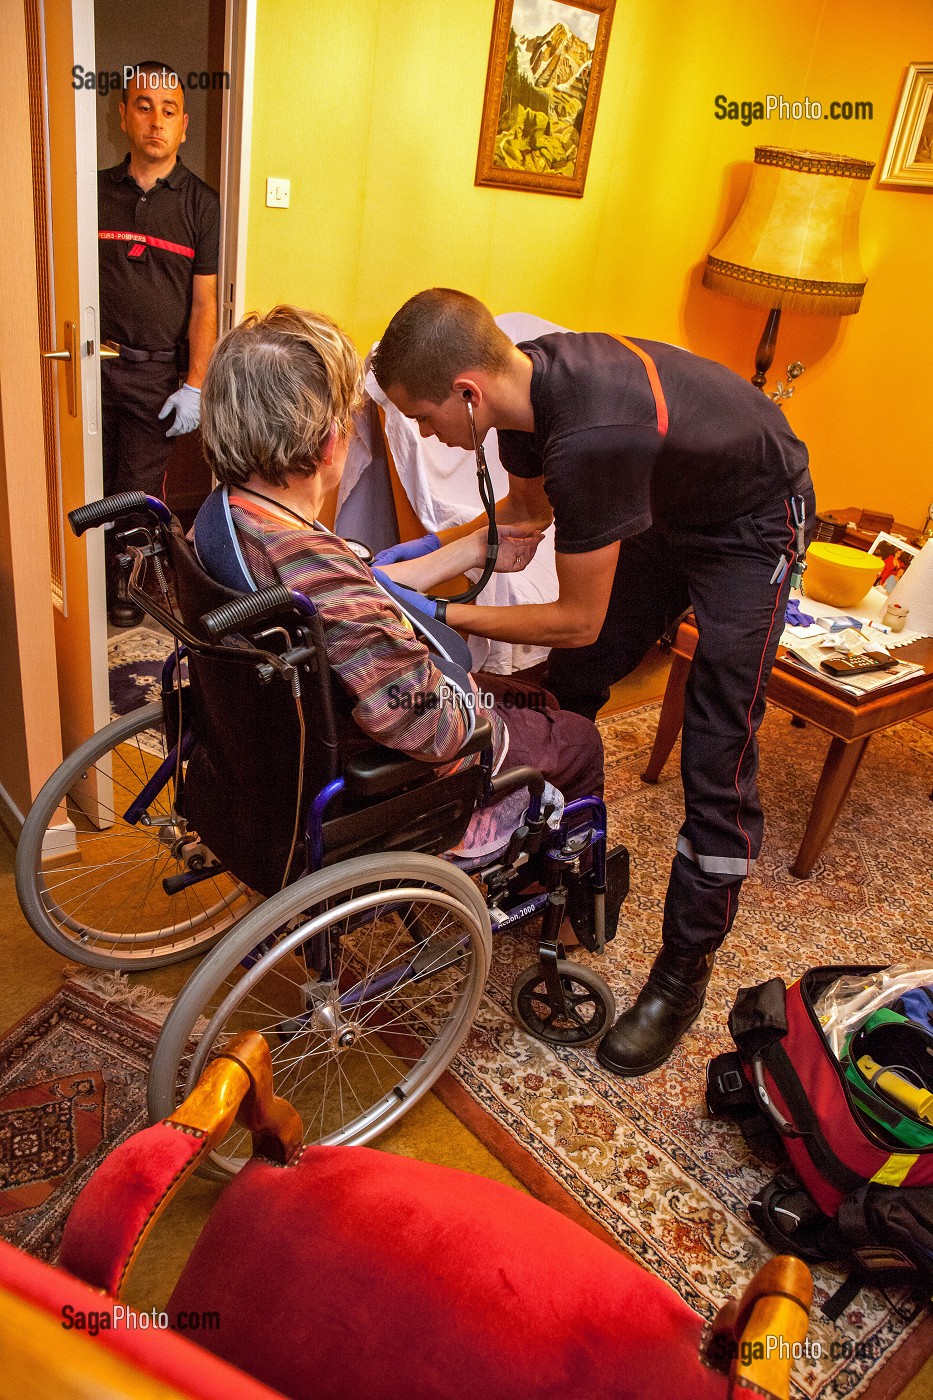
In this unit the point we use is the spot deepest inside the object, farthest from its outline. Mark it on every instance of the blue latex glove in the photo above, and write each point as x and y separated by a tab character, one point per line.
794	617
414	549
186	402
411	599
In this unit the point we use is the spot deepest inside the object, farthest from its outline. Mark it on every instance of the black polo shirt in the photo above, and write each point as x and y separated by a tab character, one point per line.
151	244
607	471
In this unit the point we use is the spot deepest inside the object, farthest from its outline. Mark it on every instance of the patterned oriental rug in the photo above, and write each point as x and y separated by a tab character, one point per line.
640	1156
72	1086
134	660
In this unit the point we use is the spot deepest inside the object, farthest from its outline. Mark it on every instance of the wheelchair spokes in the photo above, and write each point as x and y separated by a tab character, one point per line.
102	899
351	1051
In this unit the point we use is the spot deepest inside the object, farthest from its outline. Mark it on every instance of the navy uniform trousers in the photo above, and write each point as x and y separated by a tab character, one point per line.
724	572
136	450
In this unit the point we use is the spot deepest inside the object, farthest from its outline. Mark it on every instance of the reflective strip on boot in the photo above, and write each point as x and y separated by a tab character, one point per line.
730	866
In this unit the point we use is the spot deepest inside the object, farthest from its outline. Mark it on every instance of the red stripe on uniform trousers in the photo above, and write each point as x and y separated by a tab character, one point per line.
147	238
791	540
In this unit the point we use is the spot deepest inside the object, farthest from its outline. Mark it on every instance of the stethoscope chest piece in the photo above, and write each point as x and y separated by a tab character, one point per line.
361	550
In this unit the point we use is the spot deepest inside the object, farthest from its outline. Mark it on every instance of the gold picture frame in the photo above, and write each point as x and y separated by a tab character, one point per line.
908	159
542	143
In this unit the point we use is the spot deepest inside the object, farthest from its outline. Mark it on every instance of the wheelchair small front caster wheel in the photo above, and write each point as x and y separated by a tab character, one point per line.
590	1005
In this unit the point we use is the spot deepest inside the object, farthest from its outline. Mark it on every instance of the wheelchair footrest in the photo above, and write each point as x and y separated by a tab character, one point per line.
174	884
582	894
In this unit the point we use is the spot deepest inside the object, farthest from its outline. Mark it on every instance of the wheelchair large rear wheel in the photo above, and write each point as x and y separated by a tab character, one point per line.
354	1047
101	900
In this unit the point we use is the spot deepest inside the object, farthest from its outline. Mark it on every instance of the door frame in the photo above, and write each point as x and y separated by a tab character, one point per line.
89	358
239	49
236	145
236	130
31	741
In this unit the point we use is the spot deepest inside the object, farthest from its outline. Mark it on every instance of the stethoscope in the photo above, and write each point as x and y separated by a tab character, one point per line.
488	499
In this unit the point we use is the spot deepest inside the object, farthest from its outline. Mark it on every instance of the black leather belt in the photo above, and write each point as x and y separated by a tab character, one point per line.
128	352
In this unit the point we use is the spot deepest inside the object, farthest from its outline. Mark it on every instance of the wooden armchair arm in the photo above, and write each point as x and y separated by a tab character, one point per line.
237	1087
113	1215
757	1335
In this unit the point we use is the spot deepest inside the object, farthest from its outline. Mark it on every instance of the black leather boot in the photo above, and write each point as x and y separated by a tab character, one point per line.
667	1005
121	610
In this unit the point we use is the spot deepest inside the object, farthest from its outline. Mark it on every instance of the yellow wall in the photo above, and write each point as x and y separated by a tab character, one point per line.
372	109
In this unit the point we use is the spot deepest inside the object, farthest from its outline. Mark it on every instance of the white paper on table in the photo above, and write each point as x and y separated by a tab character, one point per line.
870	609
809	656
801	634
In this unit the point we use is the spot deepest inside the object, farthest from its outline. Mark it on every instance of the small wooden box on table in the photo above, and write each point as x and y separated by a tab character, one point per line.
849	720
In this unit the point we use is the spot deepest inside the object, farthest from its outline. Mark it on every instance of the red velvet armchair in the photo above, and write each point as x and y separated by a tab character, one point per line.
341	1273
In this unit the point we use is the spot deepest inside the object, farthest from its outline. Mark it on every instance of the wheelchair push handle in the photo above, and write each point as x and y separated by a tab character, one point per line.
106	511
252	607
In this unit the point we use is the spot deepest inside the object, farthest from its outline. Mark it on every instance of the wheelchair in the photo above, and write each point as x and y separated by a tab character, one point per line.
244	816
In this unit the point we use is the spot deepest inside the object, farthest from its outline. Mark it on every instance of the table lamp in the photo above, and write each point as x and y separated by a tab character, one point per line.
794	242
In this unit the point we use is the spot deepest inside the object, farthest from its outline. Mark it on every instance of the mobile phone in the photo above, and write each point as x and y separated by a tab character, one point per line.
867	661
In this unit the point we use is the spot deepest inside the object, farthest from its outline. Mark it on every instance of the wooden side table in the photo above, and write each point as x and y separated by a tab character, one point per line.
849	721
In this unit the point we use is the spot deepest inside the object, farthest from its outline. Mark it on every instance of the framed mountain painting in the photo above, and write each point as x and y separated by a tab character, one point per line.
545	70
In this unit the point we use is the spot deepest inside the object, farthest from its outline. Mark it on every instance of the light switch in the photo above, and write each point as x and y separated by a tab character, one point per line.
278	193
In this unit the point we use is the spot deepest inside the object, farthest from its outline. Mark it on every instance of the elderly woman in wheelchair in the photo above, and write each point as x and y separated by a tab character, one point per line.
323	797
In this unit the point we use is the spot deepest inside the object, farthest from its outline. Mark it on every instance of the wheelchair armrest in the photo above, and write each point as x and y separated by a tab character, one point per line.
515	778
378	771
480	739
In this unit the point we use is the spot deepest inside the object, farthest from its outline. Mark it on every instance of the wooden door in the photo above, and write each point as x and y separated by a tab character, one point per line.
60	35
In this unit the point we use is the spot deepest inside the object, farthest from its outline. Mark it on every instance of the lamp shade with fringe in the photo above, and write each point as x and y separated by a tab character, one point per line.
794	243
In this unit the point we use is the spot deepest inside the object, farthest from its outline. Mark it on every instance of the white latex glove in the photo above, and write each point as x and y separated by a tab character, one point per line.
186	402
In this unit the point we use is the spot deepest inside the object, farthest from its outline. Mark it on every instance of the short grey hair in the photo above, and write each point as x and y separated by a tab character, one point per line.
275	387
